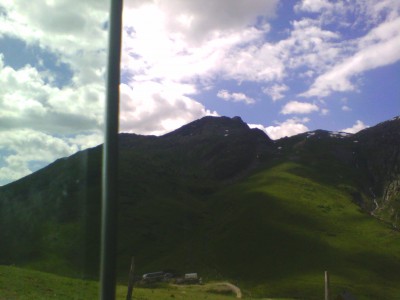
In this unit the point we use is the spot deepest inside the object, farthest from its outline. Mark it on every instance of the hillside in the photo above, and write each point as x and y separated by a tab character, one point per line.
33	285
221	199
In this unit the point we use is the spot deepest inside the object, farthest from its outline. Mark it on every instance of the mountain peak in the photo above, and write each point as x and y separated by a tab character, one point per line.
211	125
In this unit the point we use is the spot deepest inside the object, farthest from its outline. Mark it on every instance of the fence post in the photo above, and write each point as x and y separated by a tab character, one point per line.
131	279
326	285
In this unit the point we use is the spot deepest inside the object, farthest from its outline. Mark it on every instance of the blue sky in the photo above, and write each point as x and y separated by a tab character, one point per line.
285	67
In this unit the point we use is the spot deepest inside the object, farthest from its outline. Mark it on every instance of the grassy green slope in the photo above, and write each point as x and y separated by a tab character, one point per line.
278	231
50	220
23	284
275	233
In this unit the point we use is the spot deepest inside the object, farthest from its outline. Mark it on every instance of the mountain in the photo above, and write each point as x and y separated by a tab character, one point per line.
224	200
379	153
372	156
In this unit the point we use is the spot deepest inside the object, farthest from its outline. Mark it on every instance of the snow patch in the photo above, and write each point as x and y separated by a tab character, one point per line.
309	134
339	134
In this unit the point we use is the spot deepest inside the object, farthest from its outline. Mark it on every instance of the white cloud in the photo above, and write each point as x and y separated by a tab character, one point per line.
154	53
310	46
75	32
378	10
347	13
296	107
23	150
324	112
359	125
346	108
157	108
198	20
24	146
235	97
276	91
378	48
254	63
187	45
287	128
30	101
313	5
88	140
41	118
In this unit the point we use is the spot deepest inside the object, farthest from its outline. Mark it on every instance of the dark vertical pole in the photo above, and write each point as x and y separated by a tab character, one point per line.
131	278
110	157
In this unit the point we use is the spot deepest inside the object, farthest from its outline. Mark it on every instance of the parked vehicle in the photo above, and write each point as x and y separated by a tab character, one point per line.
189	278
153	277
156	277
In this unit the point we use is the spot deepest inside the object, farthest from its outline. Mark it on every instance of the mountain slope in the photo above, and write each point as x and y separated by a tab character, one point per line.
224	200
379	152
283	228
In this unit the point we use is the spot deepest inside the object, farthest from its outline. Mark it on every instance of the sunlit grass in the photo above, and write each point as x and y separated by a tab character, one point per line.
294	226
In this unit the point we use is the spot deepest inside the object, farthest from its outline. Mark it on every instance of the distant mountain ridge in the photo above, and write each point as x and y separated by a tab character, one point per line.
195	198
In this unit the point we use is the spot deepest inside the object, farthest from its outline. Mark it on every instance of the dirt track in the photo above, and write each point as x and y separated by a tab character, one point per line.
234	288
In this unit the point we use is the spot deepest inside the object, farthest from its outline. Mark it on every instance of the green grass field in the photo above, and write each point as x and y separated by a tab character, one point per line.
298	225
23	284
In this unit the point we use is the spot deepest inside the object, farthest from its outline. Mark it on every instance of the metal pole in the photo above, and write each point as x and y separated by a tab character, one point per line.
110	157
326	285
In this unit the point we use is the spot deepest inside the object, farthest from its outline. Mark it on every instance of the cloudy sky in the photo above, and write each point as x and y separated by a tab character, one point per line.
284	66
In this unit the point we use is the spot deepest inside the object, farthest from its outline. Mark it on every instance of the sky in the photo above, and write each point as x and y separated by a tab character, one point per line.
285	67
